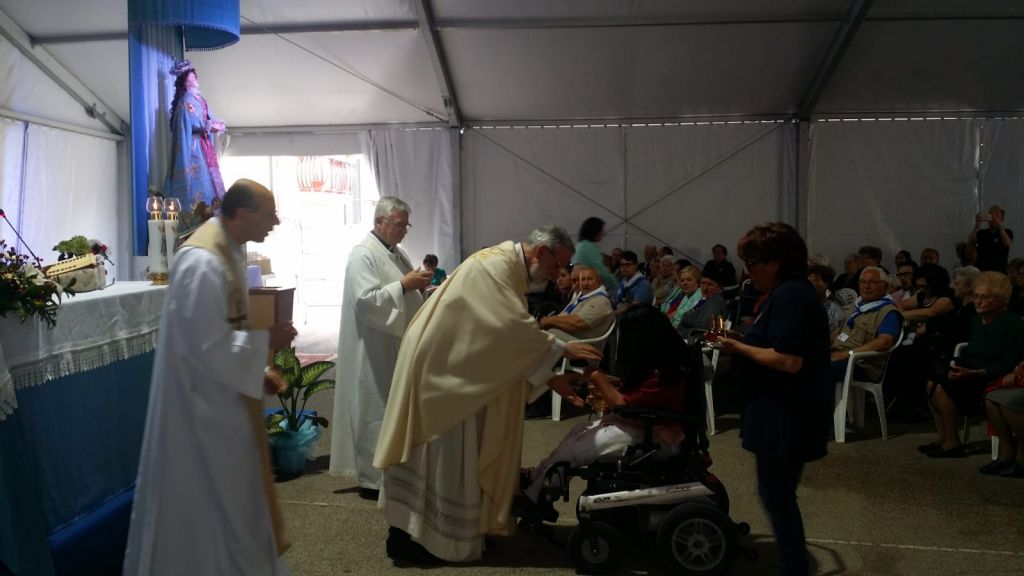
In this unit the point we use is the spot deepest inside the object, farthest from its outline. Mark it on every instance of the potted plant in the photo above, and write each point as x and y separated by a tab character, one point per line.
293	432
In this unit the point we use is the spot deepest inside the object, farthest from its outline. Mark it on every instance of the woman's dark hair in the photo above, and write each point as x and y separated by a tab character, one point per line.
937	278
776	241
430	260
591	229
648	342
179	89
906	255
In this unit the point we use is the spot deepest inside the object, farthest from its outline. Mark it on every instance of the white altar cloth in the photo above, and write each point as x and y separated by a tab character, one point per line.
93	329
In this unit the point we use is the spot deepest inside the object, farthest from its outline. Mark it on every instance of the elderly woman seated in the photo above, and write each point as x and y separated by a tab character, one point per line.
711	304
664	275
651	377
997	338
1005	408
685	295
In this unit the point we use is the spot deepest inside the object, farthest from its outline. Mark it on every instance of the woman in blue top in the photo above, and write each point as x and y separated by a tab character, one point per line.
589	254
784	359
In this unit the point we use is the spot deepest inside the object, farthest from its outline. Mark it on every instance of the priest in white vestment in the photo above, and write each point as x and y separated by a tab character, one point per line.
204	497
382	294
451	440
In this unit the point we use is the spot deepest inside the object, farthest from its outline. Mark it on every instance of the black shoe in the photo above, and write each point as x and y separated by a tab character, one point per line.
930	448
1012	470
957	451
369	494
404	552
994	468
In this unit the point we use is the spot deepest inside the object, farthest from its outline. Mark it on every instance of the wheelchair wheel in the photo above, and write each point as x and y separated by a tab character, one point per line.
595	548
697	538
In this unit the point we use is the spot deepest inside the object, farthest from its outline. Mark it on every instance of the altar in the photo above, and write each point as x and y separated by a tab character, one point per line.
72	412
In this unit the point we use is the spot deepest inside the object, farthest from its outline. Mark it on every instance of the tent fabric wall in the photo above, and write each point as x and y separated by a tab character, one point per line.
1001	171
12	142
417	166
71	183
27	90
687	186
902	185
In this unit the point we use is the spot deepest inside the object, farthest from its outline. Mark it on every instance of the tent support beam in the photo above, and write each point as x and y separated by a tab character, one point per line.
94	107
428	30
858	11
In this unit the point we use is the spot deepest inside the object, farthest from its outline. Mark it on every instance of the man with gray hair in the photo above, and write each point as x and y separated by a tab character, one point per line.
874	325
381	294
451	439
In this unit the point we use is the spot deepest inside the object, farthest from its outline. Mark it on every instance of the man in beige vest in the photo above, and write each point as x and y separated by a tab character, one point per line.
589	314
204	498
874	325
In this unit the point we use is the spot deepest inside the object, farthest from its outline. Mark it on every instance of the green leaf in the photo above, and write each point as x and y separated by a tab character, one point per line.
314	370
315	387
273	422
321	421
276	431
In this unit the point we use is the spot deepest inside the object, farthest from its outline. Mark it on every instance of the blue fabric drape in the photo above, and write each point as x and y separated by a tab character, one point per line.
208	24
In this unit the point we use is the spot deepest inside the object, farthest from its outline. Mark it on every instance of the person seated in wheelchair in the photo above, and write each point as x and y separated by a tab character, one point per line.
651	376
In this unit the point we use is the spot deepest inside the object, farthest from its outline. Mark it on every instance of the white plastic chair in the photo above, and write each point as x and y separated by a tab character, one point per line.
966	425
556	399
861	387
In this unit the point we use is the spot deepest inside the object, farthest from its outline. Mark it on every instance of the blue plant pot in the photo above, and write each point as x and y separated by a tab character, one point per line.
289	460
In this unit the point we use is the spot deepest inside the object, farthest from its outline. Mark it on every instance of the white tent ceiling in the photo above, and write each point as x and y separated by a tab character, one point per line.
331	62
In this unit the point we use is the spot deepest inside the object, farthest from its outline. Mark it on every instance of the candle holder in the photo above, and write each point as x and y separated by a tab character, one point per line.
157	261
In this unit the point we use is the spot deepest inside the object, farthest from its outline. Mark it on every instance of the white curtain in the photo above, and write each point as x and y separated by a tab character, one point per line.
686	186
71	183
1001	168
12	141
416	166
899	185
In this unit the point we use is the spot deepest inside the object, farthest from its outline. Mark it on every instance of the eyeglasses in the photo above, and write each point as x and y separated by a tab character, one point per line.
867	282
398	224
904	273
752	261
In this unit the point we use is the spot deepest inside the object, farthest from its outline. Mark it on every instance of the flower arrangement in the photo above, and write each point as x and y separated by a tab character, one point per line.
25	290
79	246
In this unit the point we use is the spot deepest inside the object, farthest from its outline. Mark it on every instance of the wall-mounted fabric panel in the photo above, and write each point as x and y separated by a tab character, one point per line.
71	184
691	187
12	140
517	179
1001	167
900	185
686	186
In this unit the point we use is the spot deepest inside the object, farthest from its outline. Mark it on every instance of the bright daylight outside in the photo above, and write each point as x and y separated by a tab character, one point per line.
326	205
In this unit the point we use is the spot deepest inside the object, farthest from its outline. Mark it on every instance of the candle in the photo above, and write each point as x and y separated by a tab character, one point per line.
171	237
157	262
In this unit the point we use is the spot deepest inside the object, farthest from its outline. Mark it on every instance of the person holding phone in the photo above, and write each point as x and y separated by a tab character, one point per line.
992	243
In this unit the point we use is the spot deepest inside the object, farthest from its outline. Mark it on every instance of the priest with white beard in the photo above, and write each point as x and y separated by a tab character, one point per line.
204	497
382	293
451	440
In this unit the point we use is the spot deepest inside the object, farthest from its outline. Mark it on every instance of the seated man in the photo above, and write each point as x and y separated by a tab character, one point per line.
587	316
652	377
633	287
873	326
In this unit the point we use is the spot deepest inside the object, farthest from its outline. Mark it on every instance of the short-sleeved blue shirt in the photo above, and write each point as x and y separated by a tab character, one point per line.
789	416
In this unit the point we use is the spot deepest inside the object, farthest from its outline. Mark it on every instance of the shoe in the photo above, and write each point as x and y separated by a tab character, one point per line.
1013	469
929	448
957	451
369	494
994	467
404	552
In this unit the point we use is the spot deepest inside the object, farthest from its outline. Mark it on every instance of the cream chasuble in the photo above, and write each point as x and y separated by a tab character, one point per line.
204	500
451	440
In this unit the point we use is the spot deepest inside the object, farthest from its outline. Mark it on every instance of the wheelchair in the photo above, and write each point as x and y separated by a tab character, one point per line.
650	490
